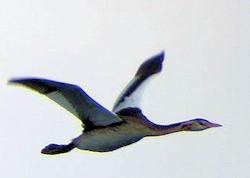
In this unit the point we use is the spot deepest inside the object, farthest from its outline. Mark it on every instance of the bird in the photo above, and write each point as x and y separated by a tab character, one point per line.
108	130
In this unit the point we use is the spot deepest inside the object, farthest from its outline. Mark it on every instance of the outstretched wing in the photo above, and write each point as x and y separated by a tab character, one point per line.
131	95
73	99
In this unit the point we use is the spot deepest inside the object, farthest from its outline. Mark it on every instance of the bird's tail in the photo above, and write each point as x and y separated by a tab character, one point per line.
52	149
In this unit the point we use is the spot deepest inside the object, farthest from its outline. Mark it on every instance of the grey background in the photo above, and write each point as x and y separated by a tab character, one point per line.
99	45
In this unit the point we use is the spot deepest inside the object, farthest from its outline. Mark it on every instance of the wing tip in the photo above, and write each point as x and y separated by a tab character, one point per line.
14	81
36	84
22	80
161	56
151	66
19	80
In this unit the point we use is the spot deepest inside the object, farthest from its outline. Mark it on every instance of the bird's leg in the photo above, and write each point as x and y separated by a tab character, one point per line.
52	149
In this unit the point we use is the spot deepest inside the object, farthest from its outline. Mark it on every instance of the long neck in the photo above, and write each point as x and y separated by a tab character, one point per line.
156	130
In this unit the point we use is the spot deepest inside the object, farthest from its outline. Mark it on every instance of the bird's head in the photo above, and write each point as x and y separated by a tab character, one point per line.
197	125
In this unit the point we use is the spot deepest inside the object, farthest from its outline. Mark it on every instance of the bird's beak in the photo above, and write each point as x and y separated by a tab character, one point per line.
214	125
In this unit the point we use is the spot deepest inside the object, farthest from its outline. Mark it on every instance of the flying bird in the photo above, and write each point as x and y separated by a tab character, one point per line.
105	130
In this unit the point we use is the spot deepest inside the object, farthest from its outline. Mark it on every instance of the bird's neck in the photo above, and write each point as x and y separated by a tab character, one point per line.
157	130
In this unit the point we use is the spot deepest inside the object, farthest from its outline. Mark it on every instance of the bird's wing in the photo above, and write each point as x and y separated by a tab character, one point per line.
73	99
131	95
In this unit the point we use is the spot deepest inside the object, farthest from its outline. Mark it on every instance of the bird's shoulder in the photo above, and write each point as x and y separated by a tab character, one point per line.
130	111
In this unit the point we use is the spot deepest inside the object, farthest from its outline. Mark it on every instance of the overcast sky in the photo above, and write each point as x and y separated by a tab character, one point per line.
99	45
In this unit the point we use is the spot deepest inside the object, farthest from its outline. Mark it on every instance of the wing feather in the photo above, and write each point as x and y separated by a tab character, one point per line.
72	98
132	94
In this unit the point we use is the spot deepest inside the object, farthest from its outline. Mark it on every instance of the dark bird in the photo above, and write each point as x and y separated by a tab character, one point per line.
105	130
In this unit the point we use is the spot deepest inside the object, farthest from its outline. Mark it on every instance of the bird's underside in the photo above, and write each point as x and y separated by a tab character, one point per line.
112	137
107	138
106	130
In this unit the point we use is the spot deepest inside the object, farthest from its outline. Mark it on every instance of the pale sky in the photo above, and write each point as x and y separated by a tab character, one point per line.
99	45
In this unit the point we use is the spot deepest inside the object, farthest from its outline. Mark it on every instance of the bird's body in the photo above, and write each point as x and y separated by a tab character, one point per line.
105	130
112	137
